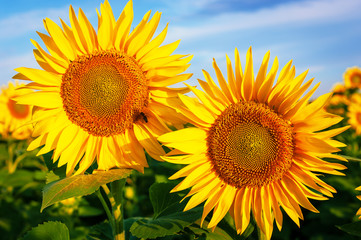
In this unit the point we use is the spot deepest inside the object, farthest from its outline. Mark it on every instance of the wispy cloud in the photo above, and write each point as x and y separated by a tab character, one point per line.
23	23
7	65
306	12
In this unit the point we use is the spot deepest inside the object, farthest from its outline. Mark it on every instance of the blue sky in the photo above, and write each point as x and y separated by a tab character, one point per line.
323	36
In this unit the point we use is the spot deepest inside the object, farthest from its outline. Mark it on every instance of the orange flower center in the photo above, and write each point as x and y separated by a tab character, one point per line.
104	92
358	117
356	78
250	145
18	110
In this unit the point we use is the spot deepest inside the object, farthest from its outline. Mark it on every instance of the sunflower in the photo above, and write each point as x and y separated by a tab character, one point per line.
338	99
355	98
14	116
352	77
354	115
257	145
103	95
338	88
359	197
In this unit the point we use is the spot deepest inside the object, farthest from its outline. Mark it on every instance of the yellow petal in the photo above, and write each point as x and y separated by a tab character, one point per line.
40	76
202	195
214	88
41	99
57	65
266	87
106	26
232	81
239	73
59	38
222	82
78	32
149	142
261	75
200	111
184	135
298	194
152	44
211	105
137	30
144	36
88	31
185	171
223	206
122	26
248	80
163	51
163	82
193	177
52	47
212	201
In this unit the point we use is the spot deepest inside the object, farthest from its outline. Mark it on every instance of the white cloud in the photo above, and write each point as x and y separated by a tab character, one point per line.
186	7
7	65
22	23
307	12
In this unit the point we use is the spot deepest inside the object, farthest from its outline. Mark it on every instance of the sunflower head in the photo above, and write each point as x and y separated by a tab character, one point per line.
354	116
14	117
338	88
103	94
338	99
257	146
352	77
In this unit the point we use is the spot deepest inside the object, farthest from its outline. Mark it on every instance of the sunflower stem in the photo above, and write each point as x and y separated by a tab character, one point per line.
117	208
11	146
261	235
106	208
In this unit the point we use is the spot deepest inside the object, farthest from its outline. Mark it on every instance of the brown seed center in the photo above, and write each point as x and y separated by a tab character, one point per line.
104	92
250	145
18	110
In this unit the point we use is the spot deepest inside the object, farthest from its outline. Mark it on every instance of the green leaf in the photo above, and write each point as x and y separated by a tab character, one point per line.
79	185
51	177
102	231
218	234
352	228
127	225
161	199
165	225
16	179
169	217
49	231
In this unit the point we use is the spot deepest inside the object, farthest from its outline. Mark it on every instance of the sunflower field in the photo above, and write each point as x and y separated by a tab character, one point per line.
97	144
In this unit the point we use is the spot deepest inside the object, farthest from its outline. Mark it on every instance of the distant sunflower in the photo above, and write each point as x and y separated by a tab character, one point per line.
103	95
352	77
338	99
354	115
339	88
359	210
355	98
258	146
14	116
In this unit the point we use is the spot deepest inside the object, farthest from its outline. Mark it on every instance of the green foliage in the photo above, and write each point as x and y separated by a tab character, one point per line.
352	228
49	231
79	185
102	231
169	218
